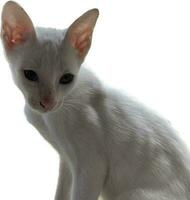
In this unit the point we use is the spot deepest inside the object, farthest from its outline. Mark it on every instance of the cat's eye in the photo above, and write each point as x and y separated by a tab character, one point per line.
66	78
30	75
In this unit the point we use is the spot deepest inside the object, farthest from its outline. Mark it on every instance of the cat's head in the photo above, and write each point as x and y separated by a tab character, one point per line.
45	62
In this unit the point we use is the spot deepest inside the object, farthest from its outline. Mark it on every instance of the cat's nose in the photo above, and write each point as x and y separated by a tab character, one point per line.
47	103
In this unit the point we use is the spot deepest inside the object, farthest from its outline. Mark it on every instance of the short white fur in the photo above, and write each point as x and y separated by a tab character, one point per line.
109	144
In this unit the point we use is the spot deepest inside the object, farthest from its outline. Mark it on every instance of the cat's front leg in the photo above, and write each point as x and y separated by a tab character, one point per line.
64	182
88	181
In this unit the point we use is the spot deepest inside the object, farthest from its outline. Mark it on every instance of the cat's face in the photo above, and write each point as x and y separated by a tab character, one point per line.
45	62
44	72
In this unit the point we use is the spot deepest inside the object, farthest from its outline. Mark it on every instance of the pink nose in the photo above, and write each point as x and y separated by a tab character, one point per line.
47	103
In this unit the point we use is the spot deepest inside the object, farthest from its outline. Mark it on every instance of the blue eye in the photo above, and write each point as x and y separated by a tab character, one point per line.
30	75
66	78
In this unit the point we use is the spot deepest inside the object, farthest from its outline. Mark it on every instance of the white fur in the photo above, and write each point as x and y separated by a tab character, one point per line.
114	146
109	144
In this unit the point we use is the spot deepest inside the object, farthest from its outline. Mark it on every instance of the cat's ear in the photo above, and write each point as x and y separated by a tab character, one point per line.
16	26
79	34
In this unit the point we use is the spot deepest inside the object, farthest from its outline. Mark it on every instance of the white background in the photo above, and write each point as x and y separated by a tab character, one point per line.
142	47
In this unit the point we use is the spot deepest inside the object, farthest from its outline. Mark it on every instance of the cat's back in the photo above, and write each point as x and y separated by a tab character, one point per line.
136	123
143	144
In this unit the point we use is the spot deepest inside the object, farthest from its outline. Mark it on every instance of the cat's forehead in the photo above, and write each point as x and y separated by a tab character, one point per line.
50	55
50	34
43	56
49	46
46	53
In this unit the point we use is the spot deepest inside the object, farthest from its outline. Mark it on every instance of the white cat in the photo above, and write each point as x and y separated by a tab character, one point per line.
109	144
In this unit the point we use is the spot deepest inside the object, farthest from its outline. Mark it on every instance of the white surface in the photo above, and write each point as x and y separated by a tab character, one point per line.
142	47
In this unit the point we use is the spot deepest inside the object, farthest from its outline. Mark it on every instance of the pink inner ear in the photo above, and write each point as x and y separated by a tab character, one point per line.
82	41
13	36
